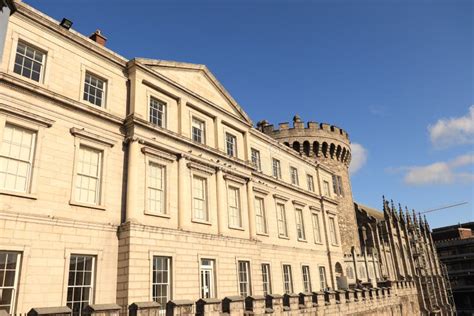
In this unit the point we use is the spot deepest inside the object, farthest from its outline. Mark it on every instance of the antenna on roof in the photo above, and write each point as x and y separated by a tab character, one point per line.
444	207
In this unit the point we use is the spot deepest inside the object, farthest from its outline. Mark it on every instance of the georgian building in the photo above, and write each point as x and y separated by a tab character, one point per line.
144	180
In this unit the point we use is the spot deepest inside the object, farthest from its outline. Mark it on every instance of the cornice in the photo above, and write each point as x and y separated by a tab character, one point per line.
24	86
83	133
38	119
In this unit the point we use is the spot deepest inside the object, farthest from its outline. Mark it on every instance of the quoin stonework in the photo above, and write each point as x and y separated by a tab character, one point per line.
141	186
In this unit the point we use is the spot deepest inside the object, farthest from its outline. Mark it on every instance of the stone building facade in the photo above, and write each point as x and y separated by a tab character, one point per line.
125	181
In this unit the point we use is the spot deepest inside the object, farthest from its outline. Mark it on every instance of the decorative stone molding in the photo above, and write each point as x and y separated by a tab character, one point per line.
82	133
158	153
38	119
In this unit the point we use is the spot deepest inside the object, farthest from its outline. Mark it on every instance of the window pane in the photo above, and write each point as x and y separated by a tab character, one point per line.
234	207
28	62
94	89
157	112
161	281
80	283
156	188
200	199
244	278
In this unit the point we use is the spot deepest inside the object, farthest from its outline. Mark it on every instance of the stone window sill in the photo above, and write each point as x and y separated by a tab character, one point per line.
157	214
81	204
19	194
199	221
236	228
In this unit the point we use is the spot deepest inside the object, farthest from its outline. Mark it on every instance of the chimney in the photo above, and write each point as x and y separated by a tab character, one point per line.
98	37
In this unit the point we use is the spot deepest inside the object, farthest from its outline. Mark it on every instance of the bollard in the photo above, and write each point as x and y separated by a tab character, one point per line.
305	300
274	303
255	304
233	305
208	307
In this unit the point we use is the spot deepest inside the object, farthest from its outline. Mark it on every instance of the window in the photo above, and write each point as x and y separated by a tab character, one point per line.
161	286
9	271
208	284
281	217
350	272
16	158
267	281
306	279
234	207
88	180
322	278
198	131
362	272
294	176
287	279
231	144
29	62
157	112
244	278
276	168
310	181
200	199
326	189
256	159
80	291
332	230
337	185
316	229
94	89
300	224
260	220
156	188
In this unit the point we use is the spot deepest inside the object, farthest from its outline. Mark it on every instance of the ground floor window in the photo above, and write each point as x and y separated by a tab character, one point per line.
161	286
9	271
267	281
287	279
80	290
244	278
208	284
306	279
322	278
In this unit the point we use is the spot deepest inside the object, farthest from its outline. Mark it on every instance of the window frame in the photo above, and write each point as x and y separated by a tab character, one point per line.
288	281
276	164
164	118
195	118
333	232
317	237
228	136
257	163
164	179
29	44
266	285
92	286
238	189
105	90
249	276
322	281
99	177
213	276
294	176
299	221
307	286
310	182
201	177
326	188
16	280
283	220
170	283
263	216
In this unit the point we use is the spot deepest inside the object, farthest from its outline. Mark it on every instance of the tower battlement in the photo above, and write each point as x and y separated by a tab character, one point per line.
313	139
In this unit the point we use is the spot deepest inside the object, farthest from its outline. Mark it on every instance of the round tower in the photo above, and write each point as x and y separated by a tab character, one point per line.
330	146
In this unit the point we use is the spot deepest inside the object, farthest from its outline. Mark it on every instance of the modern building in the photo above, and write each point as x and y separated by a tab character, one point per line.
144	180
455	246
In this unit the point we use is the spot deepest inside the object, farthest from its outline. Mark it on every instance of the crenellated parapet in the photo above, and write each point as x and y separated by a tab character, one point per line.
318	140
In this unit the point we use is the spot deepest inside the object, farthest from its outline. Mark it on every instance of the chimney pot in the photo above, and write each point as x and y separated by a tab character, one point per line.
98	37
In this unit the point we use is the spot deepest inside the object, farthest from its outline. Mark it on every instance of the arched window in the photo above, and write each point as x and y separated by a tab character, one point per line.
296	146
325	149
332	150
338	152
316	148
306	148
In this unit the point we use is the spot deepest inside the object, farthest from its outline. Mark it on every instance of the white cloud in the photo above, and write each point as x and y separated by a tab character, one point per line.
441	172
359	157
453	131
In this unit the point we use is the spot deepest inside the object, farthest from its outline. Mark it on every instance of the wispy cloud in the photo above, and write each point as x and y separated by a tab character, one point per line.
442	172
359	157
378	110
453	131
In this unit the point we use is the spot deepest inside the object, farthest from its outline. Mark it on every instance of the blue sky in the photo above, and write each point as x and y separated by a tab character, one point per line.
397	75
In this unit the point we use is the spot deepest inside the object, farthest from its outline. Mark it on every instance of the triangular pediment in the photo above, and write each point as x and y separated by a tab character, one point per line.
198	80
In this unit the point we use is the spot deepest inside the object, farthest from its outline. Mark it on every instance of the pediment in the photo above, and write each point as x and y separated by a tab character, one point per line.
200	81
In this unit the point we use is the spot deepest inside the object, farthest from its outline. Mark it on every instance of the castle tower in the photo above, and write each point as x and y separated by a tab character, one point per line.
330	146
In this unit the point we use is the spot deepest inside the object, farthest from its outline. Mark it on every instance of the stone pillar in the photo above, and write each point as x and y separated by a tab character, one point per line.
274	302
350	296
144	309
306	300
208	307
220	194
291	301
50	311
102	310
330	297
132	179
233	305
318	298
183	182
255	304
180	308
358	295
251	207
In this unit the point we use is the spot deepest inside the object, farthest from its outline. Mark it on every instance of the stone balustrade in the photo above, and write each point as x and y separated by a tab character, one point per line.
378	300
